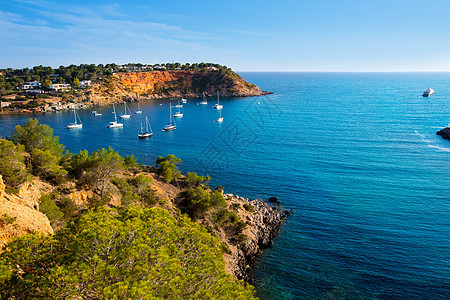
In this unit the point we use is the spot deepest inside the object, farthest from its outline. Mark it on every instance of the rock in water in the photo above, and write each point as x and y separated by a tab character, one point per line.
445	133
273	199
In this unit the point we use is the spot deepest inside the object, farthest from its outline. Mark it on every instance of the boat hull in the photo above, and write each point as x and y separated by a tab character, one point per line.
144	135
74	126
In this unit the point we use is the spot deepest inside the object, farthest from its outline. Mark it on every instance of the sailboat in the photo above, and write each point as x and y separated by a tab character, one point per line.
217	105
178	114
147	133
127	113
179	105
114	124
139	111
75	124
204	101
220	119
183	100
171	125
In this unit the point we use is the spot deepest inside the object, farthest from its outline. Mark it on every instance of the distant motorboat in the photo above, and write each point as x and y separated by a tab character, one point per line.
148	130
217	105
96	114
127	113
428	93
114	124
75	124
204	101
183	100
139	111
171	125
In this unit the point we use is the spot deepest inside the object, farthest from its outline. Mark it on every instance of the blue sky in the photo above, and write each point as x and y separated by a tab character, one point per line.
283	35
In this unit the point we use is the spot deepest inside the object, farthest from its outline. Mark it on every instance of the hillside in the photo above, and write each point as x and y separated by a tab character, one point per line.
44	89
113	226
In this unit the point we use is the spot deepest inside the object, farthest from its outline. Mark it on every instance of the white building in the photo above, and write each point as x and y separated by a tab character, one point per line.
4	104
85	83
34	84
59	86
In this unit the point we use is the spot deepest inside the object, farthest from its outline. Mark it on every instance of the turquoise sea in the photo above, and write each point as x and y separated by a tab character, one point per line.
355	155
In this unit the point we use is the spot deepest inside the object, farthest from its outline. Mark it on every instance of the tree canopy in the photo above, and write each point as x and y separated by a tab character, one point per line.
131	254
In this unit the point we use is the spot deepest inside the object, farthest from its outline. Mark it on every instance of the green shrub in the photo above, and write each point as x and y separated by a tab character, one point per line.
12	163
249	207
224	217
200	200
6	220
166	167
192	179
48	207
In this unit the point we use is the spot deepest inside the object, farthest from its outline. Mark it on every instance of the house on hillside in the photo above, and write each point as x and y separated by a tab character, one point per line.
59	87
85	84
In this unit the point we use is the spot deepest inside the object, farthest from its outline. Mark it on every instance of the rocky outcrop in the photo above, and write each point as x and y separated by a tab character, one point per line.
166	84
445	133
23	212
263	224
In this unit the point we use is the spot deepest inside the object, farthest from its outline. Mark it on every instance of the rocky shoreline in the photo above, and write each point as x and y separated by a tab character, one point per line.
444	133
263	225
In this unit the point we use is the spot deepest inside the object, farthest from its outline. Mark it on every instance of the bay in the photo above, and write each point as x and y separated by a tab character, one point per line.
355	155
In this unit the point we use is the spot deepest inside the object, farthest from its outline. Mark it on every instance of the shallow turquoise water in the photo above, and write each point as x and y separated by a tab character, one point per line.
354	154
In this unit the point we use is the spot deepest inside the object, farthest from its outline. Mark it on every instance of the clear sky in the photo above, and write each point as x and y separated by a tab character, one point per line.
283	35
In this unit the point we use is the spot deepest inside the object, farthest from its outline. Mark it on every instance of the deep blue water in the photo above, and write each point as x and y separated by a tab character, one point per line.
355	155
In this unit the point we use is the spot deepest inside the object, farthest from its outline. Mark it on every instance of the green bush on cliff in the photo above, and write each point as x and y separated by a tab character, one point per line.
48	207
37	136
192	179
12	166
167	167
133	254
199	200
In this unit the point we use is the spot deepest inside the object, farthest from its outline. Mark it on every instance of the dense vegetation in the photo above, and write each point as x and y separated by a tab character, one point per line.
137	250
12	78
132	254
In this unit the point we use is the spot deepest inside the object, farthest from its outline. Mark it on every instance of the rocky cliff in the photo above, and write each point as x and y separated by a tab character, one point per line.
22	211
263	224
445	133
166	84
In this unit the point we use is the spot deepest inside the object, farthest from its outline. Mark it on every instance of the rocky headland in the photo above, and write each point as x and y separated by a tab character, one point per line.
444	133
136	86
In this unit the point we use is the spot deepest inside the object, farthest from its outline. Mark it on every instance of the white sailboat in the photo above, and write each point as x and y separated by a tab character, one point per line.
75	124
217	105
139	111
127	113
171	125
220	119
114	124
204	101
147	133
178	114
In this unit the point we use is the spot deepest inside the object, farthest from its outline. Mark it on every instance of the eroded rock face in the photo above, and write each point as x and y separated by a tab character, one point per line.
445	133
134	86
24	208
263	225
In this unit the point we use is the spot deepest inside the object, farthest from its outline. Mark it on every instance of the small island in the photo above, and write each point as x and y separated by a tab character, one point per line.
44	89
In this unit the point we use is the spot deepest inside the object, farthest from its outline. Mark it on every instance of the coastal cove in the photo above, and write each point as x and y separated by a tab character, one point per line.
356	156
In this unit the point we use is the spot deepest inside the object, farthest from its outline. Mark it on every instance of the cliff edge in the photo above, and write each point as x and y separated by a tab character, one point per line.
20	213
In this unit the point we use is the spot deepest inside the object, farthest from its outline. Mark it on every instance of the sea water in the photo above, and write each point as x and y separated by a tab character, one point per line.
355	155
